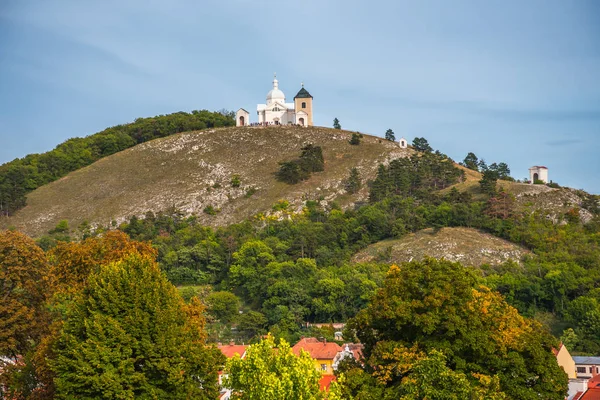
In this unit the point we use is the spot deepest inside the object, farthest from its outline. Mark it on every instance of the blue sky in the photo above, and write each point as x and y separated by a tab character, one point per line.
511	81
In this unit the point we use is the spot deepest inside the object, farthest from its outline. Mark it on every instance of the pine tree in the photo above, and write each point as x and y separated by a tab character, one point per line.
336	124
129	334
389	135
353	183
471	161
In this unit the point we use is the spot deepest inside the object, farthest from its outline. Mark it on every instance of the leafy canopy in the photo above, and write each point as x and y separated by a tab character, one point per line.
129	334
272	373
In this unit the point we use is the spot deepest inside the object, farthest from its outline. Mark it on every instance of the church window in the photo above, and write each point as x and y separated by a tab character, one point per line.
303	104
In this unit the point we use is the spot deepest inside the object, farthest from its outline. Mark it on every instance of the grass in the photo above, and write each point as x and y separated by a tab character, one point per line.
177	170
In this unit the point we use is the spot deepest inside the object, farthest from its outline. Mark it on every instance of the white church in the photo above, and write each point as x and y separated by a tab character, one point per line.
277	112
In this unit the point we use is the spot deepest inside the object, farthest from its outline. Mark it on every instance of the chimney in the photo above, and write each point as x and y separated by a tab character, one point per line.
594	369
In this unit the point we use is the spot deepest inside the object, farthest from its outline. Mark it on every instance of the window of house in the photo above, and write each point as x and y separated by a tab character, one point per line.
303	105
581	370
323	367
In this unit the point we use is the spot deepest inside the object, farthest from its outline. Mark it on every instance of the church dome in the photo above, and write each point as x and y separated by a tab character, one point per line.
275	94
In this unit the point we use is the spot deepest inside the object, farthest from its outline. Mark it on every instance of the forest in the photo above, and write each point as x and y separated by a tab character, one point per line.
275	272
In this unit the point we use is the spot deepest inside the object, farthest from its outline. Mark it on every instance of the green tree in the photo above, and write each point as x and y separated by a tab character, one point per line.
272	373
311	159
129	334
421	144
389	135
353	183
441	306
471	161
290	172
488	182
355	140
336	124
223	306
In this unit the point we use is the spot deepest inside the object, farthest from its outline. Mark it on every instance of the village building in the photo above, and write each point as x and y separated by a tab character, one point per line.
566	362
538	173
277	112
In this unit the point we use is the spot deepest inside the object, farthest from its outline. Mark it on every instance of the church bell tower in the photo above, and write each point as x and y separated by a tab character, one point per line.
303	107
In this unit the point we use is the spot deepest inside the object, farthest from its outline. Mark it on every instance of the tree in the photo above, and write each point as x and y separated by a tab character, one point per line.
24	318
355	140
24	277
441	306
421	144
501	205
488	181
389	135
271	373
311	159
471	161
223	306
353	183
129	334
290	172
336	124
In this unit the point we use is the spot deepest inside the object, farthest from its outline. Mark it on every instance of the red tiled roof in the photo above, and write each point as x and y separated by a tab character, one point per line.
594	382
326	381
317	349
591	394
229	350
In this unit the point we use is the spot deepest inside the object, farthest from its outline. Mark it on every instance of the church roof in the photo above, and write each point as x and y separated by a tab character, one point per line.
303	94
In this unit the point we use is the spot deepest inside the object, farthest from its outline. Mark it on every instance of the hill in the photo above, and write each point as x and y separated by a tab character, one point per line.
192	171
465	245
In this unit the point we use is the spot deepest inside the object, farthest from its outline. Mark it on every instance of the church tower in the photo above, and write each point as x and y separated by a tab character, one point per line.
303	107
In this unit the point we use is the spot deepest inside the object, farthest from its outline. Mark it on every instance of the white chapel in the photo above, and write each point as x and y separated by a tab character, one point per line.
277	112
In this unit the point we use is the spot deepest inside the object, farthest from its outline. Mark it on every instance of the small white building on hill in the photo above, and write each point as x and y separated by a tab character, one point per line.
538	173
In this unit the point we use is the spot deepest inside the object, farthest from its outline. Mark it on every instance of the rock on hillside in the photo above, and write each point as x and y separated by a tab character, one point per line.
465	245
554	202
192	171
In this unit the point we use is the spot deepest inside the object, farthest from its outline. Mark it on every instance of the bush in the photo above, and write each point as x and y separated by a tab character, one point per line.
355	140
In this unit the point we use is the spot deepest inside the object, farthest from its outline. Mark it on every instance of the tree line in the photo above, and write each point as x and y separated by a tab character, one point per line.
23	175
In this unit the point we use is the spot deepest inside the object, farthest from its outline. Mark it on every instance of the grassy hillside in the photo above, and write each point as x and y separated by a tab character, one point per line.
193	170
465	245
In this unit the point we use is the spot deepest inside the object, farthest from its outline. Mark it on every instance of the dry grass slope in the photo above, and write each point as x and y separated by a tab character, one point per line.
193	170
465	245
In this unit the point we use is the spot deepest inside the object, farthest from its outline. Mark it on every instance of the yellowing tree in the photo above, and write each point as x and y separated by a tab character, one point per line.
272	373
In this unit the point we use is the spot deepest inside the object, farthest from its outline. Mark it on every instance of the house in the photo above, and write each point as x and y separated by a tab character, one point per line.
564	359
586	367
590	394
322	352
229	350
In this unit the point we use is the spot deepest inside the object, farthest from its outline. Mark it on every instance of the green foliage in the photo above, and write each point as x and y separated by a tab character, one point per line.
355	140
421	144
488	182
235	181
416	176
389	135
353	182
113	347
471	161
210	210
336	124
441	306
311	160
21	176
223	306
272	373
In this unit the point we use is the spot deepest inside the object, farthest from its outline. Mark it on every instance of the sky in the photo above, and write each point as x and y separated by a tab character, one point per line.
512	81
